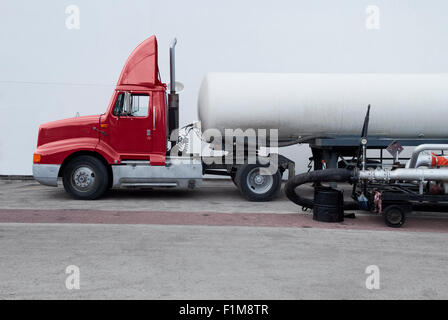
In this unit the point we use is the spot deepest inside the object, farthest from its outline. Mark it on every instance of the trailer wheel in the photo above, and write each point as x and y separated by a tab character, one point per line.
257	187
395	215
85	178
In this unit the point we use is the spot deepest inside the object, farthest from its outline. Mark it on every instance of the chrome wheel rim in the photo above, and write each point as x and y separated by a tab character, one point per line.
259	183
83	178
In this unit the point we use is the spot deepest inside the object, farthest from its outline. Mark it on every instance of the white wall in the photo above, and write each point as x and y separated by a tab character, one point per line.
48	72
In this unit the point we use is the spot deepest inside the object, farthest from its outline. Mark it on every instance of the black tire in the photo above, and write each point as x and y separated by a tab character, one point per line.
267	193
85	178
395	215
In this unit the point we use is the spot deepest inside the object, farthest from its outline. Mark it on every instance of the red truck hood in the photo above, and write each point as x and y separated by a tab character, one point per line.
79	127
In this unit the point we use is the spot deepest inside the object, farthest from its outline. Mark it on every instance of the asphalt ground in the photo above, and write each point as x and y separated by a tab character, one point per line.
208	243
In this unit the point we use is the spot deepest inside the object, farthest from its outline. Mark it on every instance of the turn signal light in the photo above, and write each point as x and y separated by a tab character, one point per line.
36	158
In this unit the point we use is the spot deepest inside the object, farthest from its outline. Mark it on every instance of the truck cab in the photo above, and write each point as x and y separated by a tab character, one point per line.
128	145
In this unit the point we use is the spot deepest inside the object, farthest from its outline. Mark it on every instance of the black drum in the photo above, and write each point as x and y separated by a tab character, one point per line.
328	205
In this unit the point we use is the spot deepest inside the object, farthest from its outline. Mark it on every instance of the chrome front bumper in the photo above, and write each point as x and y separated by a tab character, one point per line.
46	174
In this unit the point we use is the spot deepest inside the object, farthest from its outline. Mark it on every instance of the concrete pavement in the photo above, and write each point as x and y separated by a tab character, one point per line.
213	195
207	244
198	262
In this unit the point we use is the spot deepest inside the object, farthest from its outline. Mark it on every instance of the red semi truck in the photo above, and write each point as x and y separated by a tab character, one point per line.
129	145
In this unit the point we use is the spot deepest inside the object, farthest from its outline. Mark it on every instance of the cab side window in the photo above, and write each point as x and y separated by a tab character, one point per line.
139	105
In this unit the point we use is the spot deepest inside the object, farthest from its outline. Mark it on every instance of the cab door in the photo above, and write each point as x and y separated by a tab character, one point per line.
129	132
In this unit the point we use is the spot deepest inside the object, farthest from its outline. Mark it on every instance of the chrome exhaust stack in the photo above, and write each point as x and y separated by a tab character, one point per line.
173	66
173	98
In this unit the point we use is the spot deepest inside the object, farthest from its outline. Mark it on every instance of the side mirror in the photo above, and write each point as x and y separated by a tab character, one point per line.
127	103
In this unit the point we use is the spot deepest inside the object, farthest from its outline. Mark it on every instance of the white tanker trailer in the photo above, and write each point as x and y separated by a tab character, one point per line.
328	111
304	105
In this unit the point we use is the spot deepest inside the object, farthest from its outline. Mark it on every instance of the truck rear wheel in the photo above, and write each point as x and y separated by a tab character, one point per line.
85	178
257	187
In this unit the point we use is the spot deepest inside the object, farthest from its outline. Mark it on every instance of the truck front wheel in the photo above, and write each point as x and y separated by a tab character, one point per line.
257	187
85	178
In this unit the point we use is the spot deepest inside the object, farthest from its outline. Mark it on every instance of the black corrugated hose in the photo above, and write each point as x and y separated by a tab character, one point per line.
327	175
